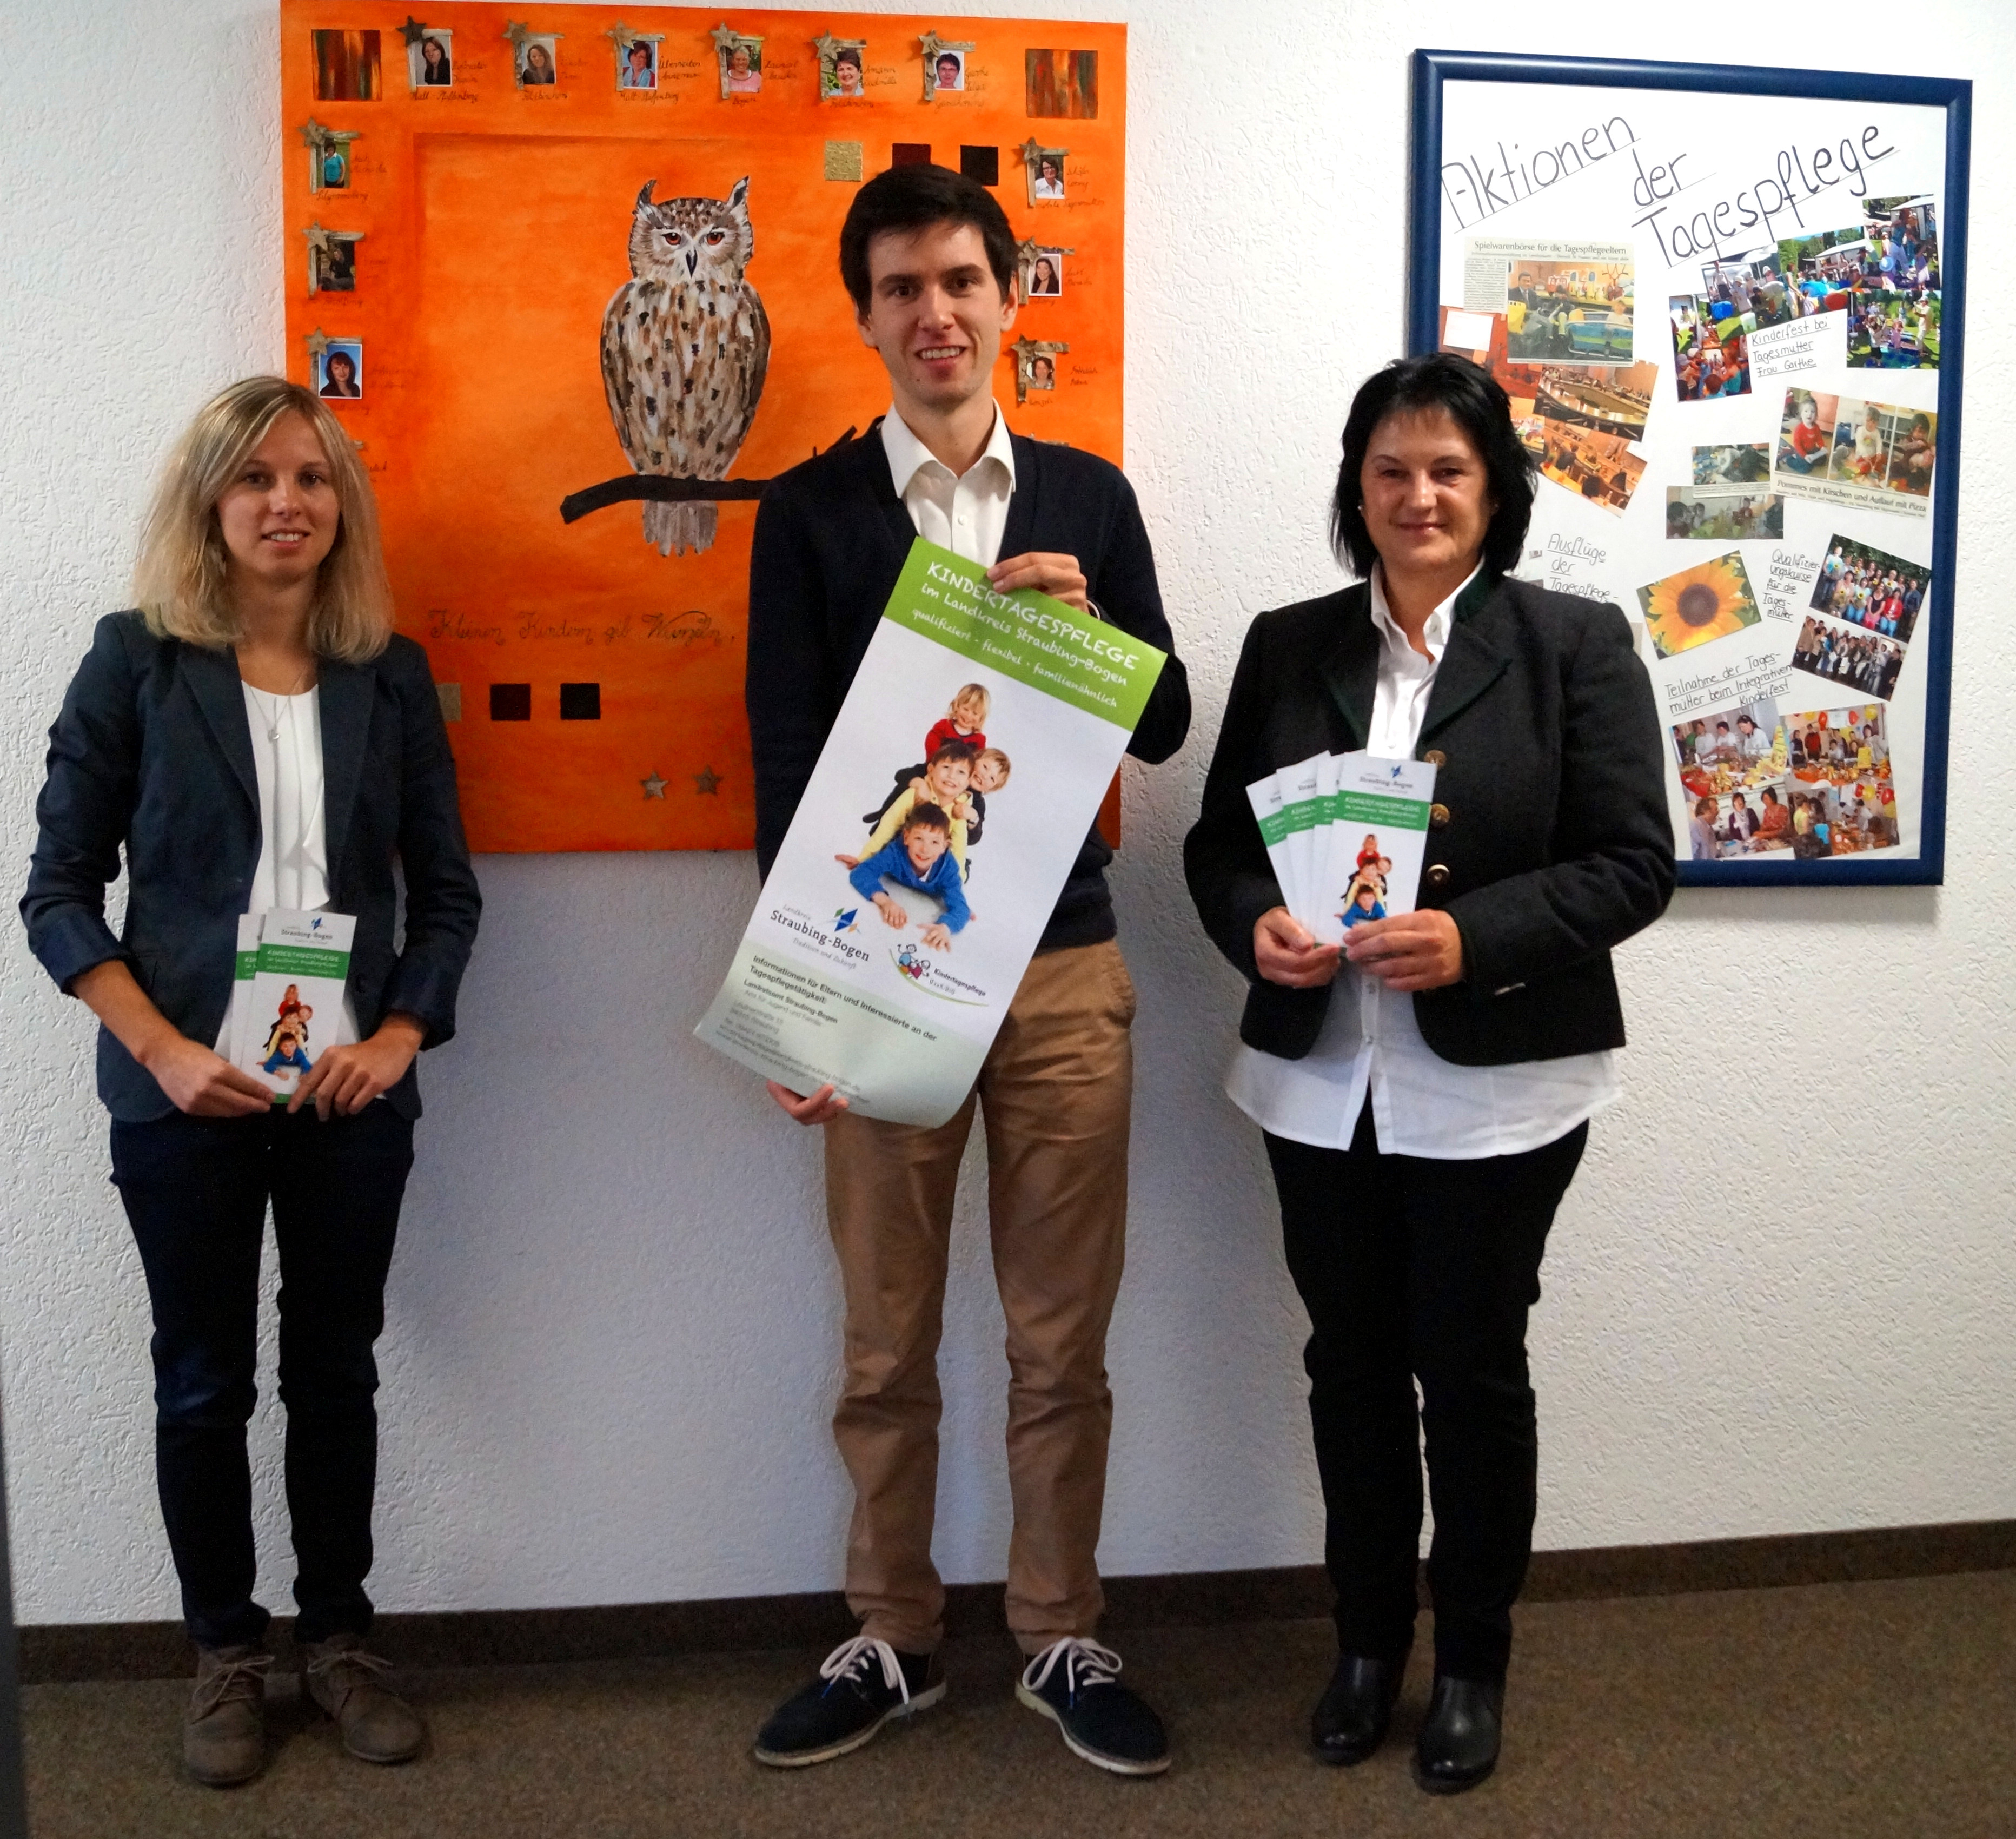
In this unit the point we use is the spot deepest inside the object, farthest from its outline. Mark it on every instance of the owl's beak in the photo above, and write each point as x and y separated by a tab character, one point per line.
692	259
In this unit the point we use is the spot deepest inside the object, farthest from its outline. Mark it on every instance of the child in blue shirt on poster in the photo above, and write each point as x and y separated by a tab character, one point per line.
919	858
1364	905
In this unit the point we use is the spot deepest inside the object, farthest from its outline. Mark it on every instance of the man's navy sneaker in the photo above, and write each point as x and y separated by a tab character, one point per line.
1071	1683
861	1686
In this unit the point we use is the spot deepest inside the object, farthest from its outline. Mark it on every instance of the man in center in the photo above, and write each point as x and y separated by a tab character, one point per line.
929	260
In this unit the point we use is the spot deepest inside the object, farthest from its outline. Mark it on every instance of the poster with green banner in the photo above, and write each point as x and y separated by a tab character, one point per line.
962	774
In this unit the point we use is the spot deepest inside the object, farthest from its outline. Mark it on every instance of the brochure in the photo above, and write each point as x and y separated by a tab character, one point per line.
911	890
248	964
1346	834
292	1007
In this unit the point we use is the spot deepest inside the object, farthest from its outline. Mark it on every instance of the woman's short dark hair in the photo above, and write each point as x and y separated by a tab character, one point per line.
1473	399
912	198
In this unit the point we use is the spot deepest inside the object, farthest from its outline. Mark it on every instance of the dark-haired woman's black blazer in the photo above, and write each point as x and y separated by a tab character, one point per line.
153	751
1550	842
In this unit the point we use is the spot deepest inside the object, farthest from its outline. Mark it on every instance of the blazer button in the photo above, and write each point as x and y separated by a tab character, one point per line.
1435	757
1437	874
1438	817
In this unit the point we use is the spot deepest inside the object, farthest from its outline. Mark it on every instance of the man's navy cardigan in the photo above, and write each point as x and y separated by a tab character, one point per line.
831	538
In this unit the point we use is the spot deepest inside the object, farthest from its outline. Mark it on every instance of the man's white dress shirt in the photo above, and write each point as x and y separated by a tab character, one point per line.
1422	1105
966	513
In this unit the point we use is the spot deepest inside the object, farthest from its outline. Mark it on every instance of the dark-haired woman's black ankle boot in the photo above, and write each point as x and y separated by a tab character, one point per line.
1458	1746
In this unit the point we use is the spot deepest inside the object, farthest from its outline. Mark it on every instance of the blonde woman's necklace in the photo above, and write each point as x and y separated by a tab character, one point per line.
271	717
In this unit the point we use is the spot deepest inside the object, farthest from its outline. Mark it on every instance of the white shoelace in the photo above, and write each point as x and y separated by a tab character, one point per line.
1085	1663
855	1657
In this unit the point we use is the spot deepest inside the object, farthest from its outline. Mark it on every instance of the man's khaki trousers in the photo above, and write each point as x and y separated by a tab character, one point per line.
1054	1095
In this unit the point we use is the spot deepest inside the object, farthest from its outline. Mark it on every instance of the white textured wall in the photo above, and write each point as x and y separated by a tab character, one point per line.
1780	1296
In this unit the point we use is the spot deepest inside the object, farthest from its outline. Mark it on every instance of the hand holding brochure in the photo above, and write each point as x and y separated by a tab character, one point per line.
287	1007
1346	834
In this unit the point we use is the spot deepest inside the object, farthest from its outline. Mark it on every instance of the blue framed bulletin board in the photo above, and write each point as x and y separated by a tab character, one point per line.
1727	305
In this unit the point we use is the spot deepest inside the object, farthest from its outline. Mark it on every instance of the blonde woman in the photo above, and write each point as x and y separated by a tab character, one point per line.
255	735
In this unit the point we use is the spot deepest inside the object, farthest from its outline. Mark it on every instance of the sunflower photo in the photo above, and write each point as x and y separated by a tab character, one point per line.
1699	605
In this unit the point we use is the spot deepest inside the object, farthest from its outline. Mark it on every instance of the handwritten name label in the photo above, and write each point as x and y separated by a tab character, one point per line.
1800	345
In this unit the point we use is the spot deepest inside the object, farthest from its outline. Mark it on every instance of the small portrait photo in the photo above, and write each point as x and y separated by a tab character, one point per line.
949	71
1747	464
429	60
1711	600
340	369
1063	84
841	69
741	60
1569	312
1046	175
1042	371
538	63
1046	273
1870	589
1711	355
333	265
1850	659
346	66
1707	513
328	166
636	64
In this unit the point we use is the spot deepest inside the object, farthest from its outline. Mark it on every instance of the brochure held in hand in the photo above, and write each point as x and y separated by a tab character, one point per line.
286	1005
1346	834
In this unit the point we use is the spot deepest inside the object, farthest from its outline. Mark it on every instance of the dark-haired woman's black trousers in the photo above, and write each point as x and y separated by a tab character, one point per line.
1416	1270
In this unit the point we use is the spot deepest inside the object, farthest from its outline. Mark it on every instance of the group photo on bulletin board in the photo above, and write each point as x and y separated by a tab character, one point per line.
1727	306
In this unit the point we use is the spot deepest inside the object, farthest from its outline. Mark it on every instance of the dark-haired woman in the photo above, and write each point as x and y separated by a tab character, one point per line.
1425	1089
435	67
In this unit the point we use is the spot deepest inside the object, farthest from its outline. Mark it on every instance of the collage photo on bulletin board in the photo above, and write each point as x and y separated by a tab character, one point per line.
1728	324
570	276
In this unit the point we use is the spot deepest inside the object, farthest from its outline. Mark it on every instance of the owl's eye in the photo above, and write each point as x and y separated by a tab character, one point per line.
674	238
715	237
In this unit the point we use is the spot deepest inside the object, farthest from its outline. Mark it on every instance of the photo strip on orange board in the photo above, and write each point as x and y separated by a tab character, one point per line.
328	156
636	58
348	67
429	56
332	259
944	61
535	56
1061	84
842	63
1044	167
1841	450
1698	605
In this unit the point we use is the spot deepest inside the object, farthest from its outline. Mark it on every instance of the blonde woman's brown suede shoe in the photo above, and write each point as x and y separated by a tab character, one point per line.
224	1730
349	1684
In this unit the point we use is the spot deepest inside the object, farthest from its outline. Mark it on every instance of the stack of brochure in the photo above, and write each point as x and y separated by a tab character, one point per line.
286	1004
1346	833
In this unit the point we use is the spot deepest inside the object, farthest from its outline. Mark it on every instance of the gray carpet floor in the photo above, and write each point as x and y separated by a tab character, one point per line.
1842	1711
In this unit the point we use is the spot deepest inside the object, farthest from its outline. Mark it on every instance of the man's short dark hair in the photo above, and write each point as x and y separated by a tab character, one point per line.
914	198
954	750
927	816
1473	399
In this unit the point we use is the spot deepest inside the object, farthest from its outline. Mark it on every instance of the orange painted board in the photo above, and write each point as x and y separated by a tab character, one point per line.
494	220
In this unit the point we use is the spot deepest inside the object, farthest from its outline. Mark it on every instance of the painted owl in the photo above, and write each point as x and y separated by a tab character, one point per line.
686	345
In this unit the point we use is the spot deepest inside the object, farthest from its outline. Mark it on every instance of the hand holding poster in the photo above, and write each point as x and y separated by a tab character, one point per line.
960	777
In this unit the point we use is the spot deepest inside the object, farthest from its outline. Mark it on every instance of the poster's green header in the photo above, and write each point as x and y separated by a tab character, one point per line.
1083	662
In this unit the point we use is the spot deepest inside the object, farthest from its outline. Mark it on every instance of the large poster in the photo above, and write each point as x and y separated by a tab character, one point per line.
1725	307
571	278
926	856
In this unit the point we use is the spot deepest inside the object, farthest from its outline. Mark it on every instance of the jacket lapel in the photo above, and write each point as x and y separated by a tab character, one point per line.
1470	663
1350	671
345	707
1016	533
213	680
871	459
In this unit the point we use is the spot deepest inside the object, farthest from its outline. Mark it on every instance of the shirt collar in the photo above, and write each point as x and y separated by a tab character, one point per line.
1435	635
908	454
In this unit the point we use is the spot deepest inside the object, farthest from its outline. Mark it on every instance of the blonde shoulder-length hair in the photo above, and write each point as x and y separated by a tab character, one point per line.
178	581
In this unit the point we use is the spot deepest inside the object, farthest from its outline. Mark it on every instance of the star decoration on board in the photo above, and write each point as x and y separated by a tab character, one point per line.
707	782
654	787
517	31
317	342
413	31
725	37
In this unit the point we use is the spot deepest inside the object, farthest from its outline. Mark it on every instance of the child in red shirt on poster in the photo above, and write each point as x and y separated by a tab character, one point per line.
963	721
